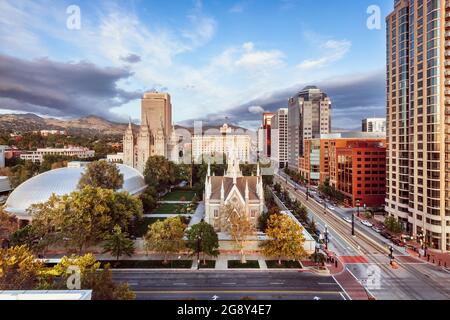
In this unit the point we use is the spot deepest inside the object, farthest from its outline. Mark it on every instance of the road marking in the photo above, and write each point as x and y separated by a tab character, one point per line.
350	298
342	295
180	284
275	283
239	291
229	283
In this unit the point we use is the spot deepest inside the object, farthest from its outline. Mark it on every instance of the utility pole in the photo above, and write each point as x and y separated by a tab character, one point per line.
326	237
198	252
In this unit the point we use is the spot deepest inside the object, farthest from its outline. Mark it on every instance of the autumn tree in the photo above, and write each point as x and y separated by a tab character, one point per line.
87	216
286	238
166	236
118	244
239	227
19	269
203	239
8	225
101	174
93	278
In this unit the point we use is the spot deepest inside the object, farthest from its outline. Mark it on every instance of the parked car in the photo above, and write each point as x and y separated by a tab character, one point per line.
376	229
398	242
367	223
331	208
386	235
347	219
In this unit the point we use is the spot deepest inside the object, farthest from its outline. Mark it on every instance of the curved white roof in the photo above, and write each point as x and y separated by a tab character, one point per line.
60	182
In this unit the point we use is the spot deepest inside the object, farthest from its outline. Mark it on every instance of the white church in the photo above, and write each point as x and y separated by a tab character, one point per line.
246	193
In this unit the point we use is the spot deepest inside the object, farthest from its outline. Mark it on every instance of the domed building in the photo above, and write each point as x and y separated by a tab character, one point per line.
60	182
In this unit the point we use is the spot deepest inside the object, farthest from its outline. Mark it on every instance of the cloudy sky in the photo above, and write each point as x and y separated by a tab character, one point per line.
218	59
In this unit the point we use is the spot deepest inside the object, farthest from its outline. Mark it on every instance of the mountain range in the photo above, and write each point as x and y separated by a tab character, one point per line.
90	125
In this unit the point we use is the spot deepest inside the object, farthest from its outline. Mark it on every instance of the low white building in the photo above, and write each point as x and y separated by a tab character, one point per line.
61	182
115	158
211	147
46	295
38	155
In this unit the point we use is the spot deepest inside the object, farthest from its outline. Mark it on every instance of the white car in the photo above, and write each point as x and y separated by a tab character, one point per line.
367	223
347	219
331	208
376	229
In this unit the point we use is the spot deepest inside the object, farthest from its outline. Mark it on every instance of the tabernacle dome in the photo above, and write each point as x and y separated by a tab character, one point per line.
60	182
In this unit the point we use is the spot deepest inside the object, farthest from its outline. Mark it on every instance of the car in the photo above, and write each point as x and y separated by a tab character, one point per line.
367	223
320	201
347	219
331	208
398	242
386	235
376	229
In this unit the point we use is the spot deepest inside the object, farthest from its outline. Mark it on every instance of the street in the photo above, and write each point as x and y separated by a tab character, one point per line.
231	285
366	256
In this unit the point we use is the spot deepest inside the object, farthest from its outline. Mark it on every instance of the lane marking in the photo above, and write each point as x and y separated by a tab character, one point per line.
350	298
180	284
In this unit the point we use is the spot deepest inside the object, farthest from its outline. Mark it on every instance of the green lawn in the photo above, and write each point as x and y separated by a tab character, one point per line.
149	264
236	264
179	195
166	209
142	226
272	264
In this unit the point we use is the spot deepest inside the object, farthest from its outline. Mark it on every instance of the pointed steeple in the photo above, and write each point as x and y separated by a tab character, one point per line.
222	191
246	190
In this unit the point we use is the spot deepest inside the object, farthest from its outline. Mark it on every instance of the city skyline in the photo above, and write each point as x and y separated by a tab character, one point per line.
197	52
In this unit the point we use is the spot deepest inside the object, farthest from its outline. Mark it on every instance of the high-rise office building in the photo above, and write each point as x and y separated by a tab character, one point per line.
155	136
279	137
418	119
264	136
374	125
309	117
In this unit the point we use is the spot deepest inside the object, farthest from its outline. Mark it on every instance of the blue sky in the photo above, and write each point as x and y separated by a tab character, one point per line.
215	58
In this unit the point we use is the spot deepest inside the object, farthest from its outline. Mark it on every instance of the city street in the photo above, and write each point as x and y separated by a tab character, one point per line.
234	285
366	257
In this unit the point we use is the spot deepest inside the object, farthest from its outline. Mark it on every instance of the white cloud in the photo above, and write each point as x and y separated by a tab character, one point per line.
252	58
256	109
333	50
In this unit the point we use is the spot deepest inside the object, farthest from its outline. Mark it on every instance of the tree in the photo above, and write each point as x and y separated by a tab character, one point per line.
203	239
286	238
99	281
149	199
166	236
118	244
301	212
393	224
86	216
263	218
8	225
240	228
101	174
19	269
159	173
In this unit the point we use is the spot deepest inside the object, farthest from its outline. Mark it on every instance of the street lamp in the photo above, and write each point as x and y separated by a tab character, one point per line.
326	237
353	223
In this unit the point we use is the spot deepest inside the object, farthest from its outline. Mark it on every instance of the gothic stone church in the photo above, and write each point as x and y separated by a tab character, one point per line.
233	188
